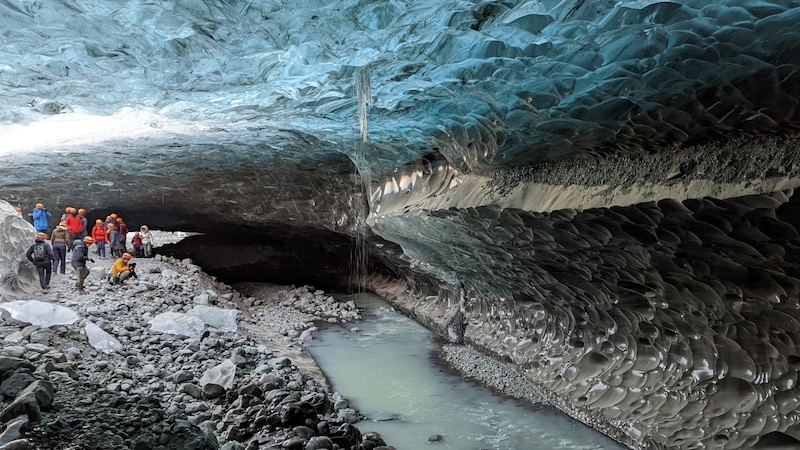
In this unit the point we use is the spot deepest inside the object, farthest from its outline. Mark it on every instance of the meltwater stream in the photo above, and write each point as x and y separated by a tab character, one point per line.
388	370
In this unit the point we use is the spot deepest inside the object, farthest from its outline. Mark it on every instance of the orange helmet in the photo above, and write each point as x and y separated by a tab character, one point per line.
88	240
68	209
81	211
127	255
17	209
41	235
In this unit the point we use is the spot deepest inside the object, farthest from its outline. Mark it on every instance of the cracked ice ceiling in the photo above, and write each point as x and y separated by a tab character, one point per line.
532	150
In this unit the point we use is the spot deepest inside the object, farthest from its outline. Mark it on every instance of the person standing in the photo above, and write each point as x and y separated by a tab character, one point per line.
59	238
40	216
80	254
136	242
74	225
123	230
41	255
147	241
118	245
100	236
84	224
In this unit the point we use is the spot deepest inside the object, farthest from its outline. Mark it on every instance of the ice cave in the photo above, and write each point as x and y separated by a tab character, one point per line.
611	183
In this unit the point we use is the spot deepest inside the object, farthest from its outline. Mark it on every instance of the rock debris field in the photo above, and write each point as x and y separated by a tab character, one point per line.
173	360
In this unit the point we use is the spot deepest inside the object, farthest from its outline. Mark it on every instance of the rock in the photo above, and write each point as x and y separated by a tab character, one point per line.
212	390
183	375
13	431
14	384
14	351
8	363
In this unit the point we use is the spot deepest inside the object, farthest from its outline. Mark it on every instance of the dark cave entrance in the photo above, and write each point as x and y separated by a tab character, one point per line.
285	255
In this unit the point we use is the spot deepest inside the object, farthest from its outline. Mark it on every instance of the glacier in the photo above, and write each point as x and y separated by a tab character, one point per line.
612	182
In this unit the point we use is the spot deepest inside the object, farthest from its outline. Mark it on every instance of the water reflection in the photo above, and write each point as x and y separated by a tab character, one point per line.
390	371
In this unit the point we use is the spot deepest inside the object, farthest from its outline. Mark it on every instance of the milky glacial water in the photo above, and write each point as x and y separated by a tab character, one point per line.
388	370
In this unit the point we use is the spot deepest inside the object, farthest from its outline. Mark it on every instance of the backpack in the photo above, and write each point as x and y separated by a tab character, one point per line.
39	253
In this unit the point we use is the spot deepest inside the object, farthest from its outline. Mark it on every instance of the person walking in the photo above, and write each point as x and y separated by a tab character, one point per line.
40	216
80	254
147	241
100	236
60	238
41	255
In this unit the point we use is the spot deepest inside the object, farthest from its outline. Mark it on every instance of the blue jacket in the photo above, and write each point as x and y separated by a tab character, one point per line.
40	218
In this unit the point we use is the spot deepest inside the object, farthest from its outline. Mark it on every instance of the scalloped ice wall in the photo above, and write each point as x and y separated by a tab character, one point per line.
612	181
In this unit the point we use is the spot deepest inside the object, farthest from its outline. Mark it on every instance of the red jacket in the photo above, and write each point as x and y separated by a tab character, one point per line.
74	223
99	233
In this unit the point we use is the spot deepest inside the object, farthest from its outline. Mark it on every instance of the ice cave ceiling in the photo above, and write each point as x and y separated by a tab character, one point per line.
595	151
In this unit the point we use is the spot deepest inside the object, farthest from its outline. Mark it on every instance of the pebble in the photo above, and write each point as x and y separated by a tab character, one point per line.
149	392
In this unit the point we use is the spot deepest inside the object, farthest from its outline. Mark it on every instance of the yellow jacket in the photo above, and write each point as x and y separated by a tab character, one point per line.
119	267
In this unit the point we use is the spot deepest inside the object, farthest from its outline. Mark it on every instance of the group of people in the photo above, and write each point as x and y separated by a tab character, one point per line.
73	235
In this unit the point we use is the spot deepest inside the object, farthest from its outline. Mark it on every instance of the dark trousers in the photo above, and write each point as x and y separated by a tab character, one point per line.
45	271
60	250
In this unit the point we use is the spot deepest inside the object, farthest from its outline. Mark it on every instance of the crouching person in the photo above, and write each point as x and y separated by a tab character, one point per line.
121	270
80	254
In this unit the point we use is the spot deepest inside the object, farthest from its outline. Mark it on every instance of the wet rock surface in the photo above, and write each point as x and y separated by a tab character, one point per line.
70	386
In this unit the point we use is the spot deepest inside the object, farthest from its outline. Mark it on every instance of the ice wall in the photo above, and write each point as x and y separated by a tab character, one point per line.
17	274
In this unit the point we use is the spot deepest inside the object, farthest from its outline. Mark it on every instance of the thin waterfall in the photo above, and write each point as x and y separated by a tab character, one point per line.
359	255
364	89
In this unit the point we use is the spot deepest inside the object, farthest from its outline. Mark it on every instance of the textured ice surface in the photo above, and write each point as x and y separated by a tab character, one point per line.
494	127
39	313
17	274
101	340
221	374
178	323
219	318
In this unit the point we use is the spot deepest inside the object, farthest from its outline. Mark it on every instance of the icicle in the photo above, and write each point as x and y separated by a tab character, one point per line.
364	88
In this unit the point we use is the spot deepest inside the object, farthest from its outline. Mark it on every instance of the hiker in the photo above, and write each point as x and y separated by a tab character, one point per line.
100	236
40	216
60	239
74	225
121	270
138	248
41	255
122	228
80	254
84	224
116	241
147	241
